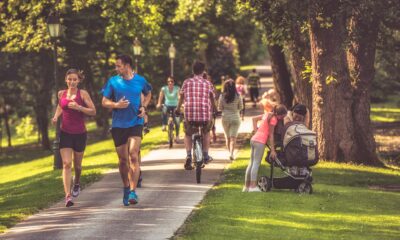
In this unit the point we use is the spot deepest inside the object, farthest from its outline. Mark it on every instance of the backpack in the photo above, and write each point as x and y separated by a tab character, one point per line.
300	145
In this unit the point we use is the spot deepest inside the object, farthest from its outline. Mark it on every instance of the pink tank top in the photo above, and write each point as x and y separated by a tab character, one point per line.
72	120
262	133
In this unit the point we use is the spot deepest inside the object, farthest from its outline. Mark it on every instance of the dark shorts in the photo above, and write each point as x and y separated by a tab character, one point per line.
253	94
121	135
191	127
75	141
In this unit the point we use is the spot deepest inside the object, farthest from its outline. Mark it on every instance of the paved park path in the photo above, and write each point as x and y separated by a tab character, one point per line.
168	196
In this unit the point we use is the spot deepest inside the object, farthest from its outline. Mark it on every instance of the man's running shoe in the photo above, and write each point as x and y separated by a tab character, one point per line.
133	198
125	199
208	159
188	164
76	190
68	201
139	184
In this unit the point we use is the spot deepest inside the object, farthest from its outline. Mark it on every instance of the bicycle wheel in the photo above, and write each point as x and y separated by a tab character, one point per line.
171	134
198	157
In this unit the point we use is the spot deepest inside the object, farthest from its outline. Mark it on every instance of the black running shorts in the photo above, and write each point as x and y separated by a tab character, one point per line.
75	141
121	135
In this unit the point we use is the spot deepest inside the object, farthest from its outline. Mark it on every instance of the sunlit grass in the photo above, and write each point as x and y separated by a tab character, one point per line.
29	183
19	140
342	207
385	113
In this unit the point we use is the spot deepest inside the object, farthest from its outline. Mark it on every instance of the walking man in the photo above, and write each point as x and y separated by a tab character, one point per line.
254	84
122	94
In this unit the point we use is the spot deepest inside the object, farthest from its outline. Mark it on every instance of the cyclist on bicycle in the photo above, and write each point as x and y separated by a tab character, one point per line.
171	94
198	95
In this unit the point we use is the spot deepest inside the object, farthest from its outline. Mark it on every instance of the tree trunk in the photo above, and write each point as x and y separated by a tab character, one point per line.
299	55
8	131
43	102
332	93
43	122
1	134
363	30
281	75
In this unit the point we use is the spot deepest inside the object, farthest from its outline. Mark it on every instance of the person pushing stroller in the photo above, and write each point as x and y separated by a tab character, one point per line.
296	152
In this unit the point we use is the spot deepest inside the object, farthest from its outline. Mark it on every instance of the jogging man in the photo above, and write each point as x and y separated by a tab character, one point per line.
122	93
254	84
198	95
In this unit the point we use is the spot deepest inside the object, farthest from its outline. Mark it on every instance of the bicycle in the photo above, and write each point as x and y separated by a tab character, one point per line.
197	148
171	124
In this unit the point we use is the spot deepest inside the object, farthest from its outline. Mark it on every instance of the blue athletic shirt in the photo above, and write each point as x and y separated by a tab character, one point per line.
117	88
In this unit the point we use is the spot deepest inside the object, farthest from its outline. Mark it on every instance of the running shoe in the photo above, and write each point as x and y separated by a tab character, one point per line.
76	190
188	164
208	159
133	198
254	189
125	199
68	201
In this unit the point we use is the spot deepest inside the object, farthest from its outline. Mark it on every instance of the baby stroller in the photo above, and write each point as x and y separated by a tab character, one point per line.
295	155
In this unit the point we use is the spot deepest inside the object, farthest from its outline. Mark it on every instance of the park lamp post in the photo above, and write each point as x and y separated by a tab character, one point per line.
172	54
54	26
137	50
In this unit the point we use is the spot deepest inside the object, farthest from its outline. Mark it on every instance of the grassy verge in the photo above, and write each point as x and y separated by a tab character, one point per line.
29	183
387	112
342	207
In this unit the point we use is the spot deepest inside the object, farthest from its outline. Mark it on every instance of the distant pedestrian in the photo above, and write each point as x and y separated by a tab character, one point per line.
262	134
73	105
242	91
122	93
254	85
230	103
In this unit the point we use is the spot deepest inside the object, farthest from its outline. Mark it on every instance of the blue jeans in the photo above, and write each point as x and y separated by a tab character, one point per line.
164	117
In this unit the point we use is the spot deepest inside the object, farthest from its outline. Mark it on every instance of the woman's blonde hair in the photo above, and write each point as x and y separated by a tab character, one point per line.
240	80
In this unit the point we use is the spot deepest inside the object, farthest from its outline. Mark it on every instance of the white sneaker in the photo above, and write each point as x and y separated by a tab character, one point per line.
254	189
164	128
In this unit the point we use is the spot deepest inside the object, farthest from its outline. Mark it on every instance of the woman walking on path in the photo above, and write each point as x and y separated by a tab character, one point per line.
230	103
241	90
171	94
73	104
262	134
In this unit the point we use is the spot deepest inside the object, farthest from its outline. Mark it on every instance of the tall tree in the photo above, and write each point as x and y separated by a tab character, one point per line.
363	33
333	116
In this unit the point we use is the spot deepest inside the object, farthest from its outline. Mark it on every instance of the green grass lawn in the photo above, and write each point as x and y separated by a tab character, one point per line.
342	207
19	140
385	114
29	183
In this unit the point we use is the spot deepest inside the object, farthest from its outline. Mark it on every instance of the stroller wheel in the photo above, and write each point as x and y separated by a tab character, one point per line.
304	187
264	184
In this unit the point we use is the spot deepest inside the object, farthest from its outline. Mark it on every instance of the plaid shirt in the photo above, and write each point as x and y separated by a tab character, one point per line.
196	92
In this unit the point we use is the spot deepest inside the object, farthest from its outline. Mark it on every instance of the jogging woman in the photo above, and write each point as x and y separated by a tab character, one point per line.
73	104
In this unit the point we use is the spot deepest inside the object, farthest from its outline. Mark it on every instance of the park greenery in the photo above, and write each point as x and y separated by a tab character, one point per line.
348	203
323	53
336	56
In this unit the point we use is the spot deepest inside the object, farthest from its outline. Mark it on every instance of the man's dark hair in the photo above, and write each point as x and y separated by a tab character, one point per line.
125	59
198	67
